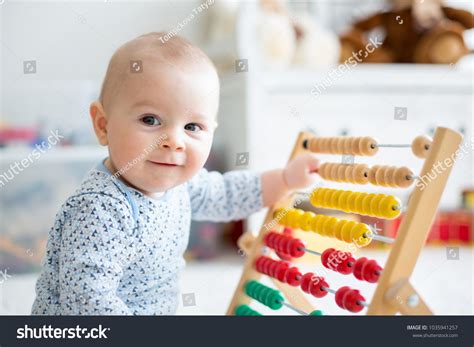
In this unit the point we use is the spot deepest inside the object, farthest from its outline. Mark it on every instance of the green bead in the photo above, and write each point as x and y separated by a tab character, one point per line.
265	295
244	310
316	313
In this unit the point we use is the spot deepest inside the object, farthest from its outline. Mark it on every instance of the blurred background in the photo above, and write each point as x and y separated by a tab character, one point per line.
285	66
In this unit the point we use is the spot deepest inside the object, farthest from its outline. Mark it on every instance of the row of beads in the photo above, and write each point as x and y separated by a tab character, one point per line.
379	175
263	294
285	244
366	146
343	230
343	262
374	205
345	297
279	270
362	146
349	299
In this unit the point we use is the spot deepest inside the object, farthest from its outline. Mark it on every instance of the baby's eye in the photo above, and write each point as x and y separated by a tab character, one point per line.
150	120
193	127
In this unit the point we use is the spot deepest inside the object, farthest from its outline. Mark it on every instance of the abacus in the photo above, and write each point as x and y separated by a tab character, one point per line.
272	250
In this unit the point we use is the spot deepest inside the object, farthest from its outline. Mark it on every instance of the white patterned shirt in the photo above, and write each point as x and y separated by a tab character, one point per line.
114	251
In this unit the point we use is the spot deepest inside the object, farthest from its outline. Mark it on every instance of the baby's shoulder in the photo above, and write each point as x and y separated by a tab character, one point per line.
100	192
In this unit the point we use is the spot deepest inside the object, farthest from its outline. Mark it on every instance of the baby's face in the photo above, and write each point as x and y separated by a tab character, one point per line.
160	126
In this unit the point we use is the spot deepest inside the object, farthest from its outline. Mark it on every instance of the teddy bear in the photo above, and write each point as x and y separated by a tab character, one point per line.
415	32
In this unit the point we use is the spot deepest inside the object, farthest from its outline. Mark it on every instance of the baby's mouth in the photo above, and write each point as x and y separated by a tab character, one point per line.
163	163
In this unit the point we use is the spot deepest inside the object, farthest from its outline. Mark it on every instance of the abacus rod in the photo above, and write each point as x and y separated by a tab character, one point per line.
311	251
381	238
294	308
329	290
388	145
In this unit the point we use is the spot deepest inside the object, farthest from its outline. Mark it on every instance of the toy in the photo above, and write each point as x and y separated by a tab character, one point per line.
287	39
394	293
422	32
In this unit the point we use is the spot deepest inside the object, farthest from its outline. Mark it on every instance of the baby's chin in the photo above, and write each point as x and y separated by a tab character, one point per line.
153	186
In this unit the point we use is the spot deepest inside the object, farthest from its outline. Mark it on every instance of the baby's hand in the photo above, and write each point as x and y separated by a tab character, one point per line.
300	172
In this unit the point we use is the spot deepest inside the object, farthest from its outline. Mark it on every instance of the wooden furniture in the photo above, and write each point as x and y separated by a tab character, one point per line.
394	293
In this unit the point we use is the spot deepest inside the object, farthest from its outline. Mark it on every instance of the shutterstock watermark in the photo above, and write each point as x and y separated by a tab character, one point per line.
17	167
441	166
48	332
348	64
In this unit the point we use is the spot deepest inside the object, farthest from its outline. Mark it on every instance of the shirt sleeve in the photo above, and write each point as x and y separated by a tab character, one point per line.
225	197
97	245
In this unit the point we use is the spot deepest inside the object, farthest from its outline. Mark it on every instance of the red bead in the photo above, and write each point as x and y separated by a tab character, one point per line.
273	268
259	264
281	271
293	277
267	239
340	295
280	243
371	271
333	260
325	257
283	256
315	287
306	281
350	300
297	248
358	268
346	259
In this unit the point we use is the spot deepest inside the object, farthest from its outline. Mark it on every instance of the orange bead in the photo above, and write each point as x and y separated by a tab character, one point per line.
368	146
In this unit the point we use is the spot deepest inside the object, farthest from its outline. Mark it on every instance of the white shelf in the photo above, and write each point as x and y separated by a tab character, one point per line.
440	78
55	154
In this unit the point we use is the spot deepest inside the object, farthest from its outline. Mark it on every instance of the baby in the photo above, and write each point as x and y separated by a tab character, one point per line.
116	247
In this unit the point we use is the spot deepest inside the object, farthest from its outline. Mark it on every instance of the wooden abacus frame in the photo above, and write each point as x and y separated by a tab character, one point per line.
394	293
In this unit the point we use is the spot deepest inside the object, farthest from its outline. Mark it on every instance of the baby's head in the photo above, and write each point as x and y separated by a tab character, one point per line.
158	105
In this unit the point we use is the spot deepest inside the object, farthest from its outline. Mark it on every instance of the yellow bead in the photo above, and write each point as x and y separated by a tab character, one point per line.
332	227
338	229
280	216
390	207
360	235
317	223
305	223
351	200
320	226
346	230
297	214
358	203
375	204
327	198
290	217
366	210
328	227
343	200
334	203
315	198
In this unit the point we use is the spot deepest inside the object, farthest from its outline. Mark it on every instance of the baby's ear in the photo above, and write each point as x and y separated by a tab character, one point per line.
99	121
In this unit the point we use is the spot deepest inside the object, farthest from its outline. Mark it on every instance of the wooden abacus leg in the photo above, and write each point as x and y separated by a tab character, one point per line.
249	273
415	226
408	301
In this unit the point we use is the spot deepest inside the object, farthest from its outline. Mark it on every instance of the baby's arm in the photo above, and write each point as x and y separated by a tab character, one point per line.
97	244
237	194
